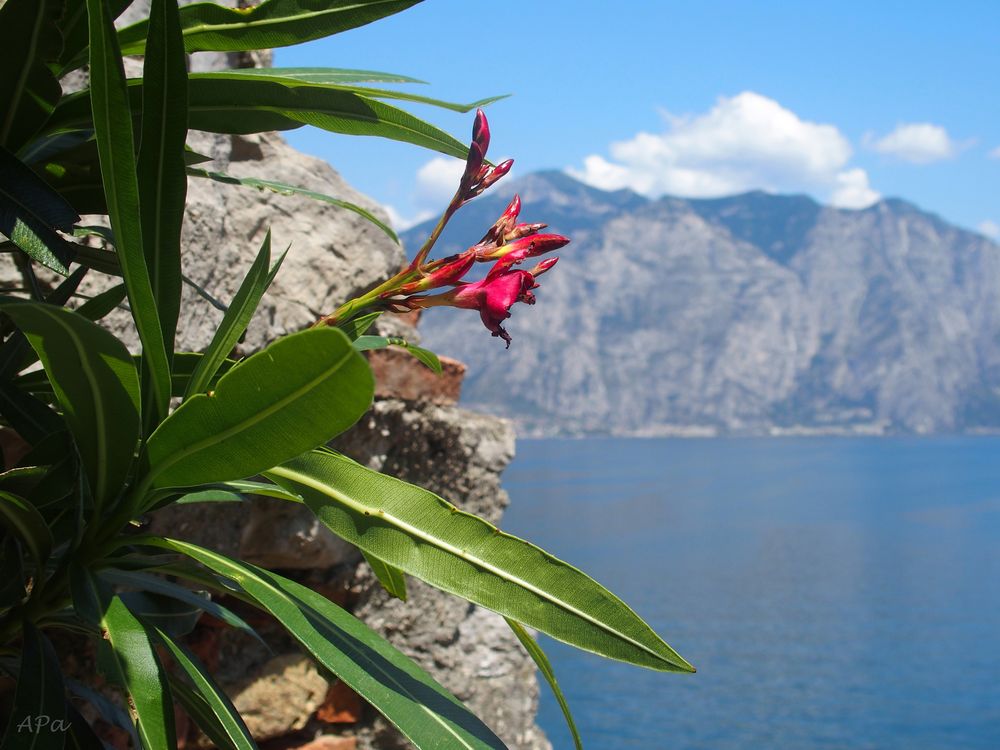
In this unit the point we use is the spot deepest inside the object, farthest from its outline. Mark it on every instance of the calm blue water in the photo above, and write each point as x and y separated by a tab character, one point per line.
833	592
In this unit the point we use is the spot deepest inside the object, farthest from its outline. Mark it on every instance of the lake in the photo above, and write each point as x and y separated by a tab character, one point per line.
832	592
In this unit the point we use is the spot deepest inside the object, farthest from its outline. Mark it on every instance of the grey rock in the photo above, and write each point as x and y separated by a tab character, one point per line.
279	534
751	314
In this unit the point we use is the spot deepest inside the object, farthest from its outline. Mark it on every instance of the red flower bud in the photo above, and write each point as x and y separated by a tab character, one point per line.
523	247
450	272
542	267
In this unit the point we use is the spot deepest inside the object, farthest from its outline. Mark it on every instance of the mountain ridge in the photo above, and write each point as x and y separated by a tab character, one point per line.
748	314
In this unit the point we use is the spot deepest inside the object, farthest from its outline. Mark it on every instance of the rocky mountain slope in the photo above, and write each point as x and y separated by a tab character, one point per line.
756	313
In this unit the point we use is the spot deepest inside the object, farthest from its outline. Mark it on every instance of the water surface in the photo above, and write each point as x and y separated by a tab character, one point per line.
833	592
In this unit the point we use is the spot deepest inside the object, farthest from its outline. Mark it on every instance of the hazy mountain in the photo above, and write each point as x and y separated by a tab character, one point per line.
753	313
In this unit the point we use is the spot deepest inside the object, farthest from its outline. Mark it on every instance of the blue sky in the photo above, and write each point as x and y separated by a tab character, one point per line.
845	101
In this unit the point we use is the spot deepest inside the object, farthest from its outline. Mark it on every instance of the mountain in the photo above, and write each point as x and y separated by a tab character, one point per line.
755	313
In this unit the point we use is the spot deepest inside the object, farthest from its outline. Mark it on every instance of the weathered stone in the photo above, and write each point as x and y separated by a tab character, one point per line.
329	742
279	534
281	698
455	453
398	374
340	706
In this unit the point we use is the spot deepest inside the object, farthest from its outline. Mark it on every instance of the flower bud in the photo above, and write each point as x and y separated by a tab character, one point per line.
450	272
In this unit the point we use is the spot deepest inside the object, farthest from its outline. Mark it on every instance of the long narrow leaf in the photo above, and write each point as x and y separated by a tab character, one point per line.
391	578
248	104
293	395
30	417
545	667
128	658
147	582
73	27
109	104
225	712
274	23
40	697
429	538
161	176
31	212
96	385
315	77
282	188
332	75
426	357
236	319
407	696
20	516
201	713
28	89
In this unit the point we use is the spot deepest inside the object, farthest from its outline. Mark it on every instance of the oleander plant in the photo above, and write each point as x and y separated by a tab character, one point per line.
109	436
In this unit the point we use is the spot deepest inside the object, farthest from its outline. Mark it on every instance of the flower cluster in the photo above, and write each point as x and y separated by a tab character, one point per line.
506	244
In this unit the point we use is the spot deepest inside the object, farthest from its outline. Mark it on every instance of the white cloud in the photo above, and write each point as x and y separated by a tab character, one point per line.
995	153
434	185
852	190
990	228
437	181
744	142
916	142
401	223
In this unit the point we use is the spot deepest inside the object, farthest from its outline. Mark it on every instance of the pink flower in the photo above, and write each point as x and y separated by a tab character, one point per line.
494	296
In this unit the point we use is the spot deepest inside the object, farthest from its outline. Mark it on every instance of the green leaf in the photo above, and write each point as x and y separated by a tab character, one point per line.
331	75
426	356
31	212
128	658
23	519
355	327
275	23
239	105
283	189
295	394
545	667
225	713
236	319
408	697
109	711
96	385
40	697
28	89
157	585
161	176
201	713
30	417
109	103
100	305
73	26
315	77
391	578
172	615
139	671
209	496
427	537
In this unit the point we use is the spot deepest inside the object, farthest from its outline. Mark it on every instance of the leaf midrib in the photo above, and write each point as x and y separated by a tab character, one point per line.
246	423
445	546
281	20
